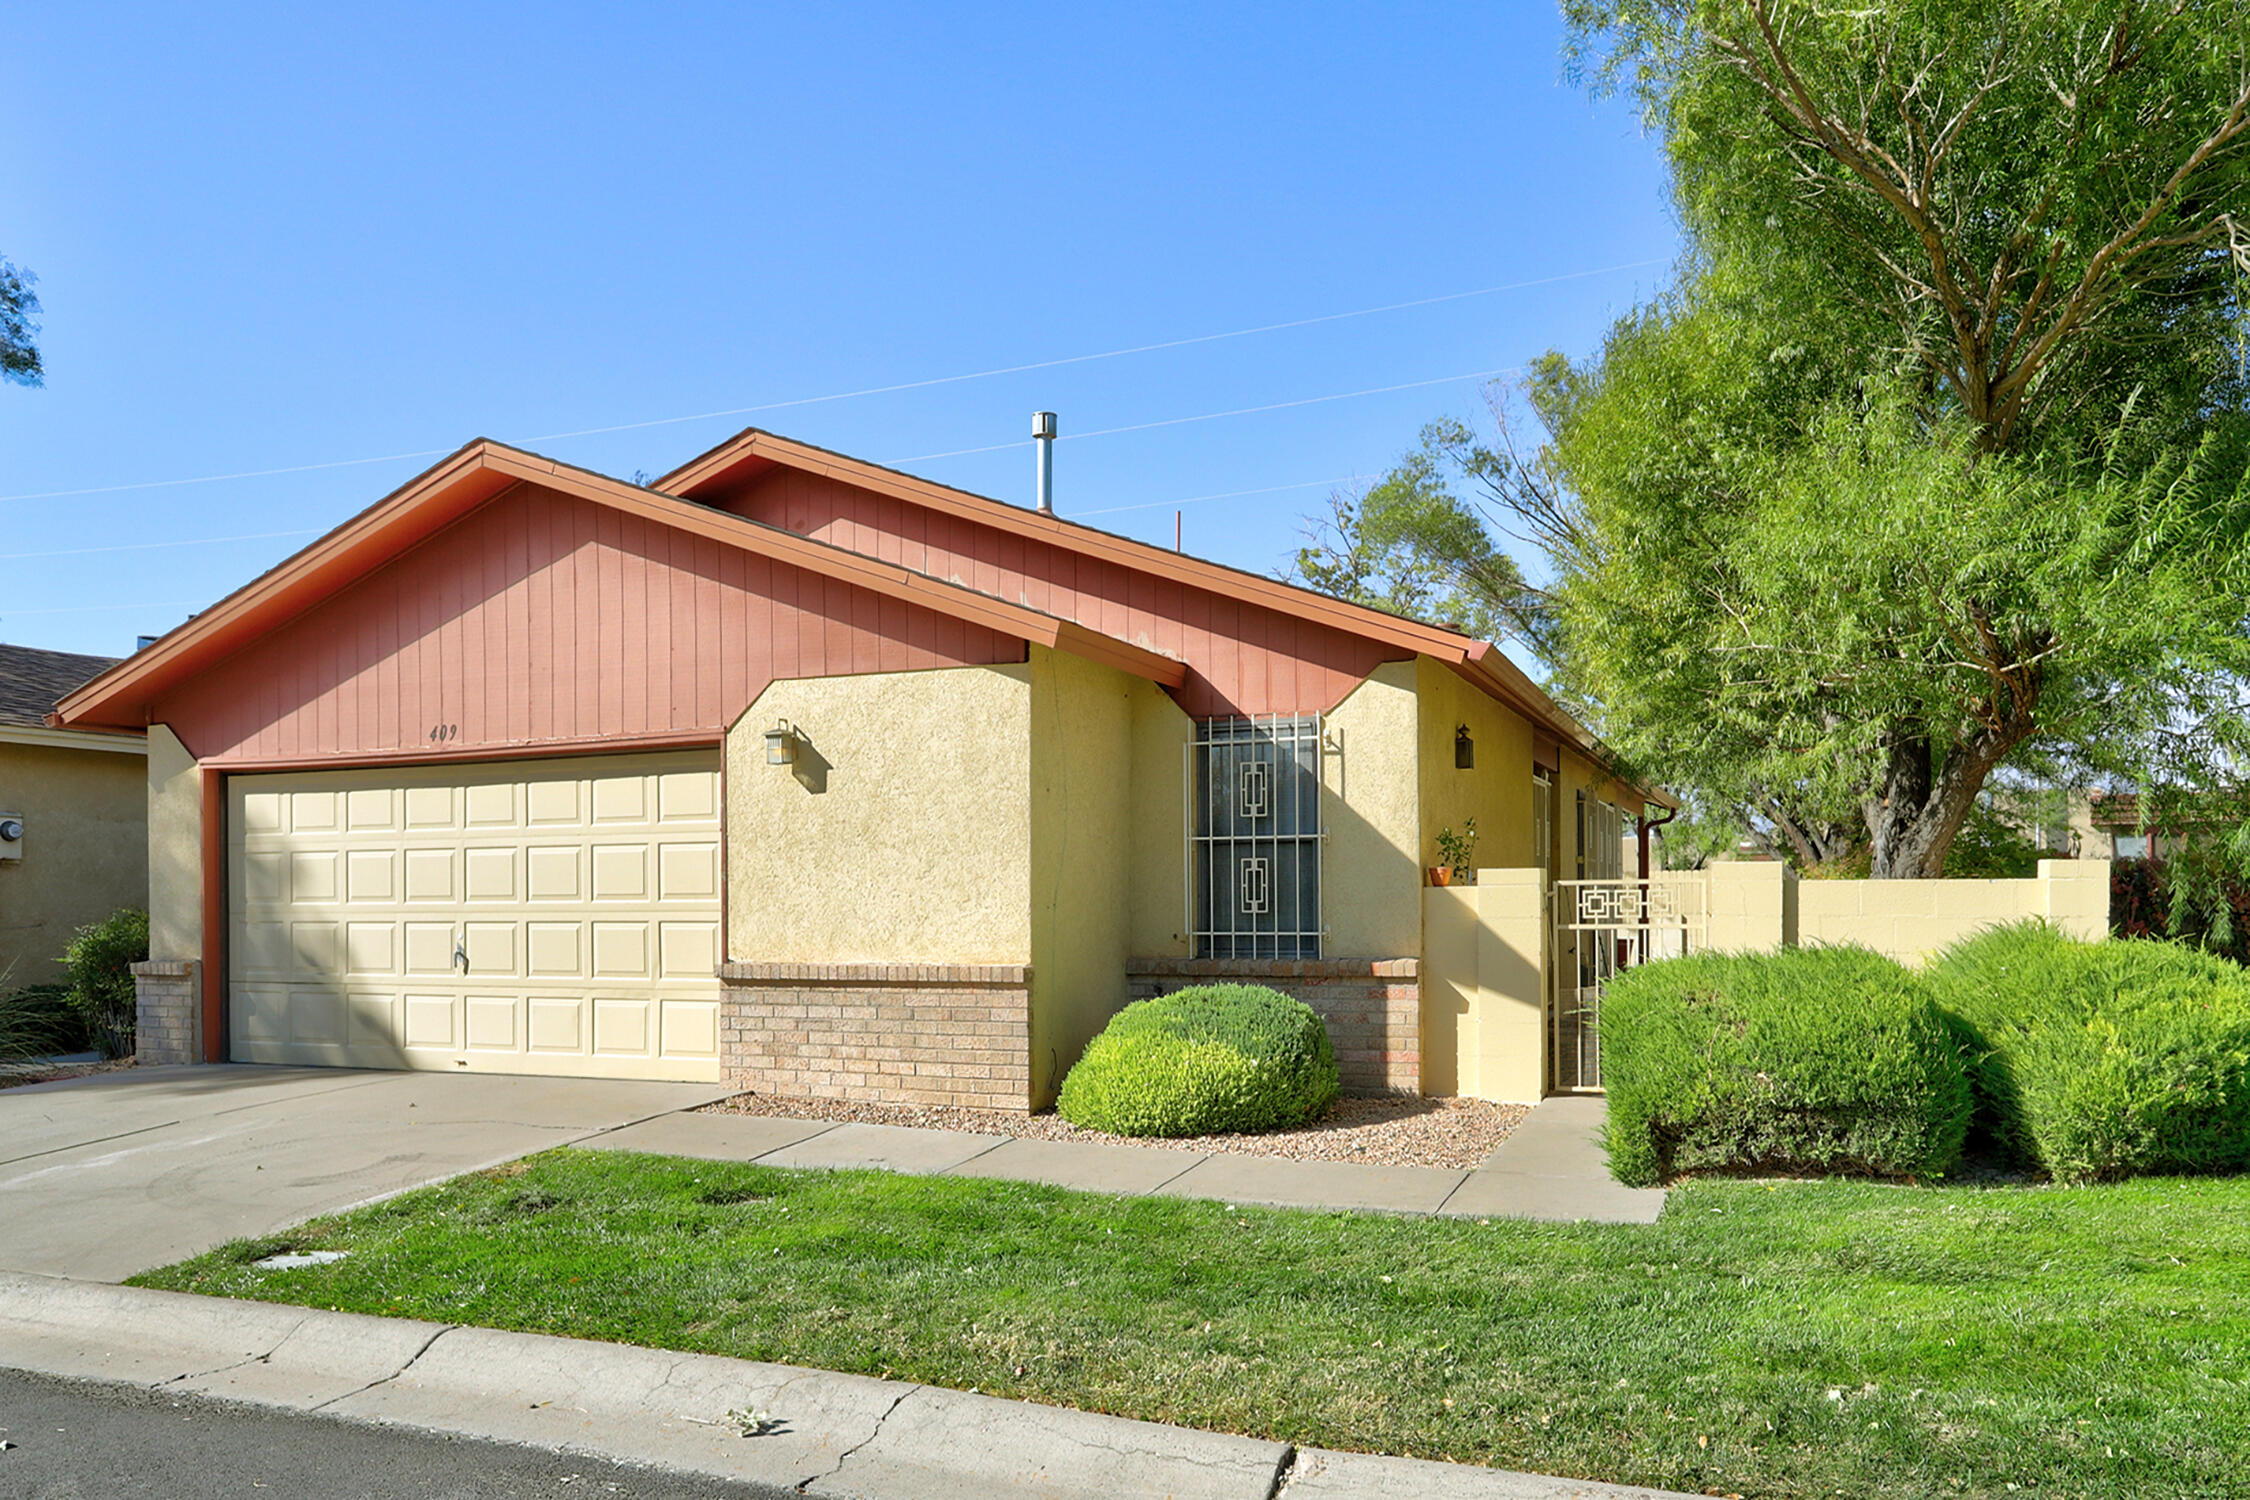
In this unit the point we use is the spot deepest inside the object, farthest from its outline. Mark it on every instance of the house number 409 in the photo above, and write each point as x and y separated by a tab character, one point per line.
443	732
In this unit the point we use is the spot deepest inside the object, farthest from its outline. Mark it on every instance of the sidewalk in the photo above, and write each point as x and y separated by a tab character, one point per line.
1551	1167
830	1434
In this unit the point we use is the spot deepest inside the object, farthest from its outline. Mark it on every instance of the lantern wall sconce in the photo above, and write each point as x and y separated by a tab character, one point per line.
1464	750
781	743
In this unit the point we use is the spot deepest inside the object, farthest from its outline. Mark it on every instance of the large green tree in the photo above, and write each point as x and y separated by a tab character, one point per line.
19	333
1931	462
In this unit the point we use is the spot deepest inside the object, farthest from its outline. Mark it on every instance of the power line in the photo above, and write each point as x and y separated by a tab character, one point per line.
876	390
1271	489
193	541
1212	416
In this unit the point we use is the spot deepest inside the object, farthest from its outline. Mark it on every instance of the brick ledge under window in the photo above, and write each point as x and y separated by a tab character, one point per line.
951	976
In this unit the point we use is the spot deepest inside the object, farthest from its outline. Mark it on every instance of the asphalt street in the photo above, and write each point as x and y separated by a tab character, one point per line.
73	1440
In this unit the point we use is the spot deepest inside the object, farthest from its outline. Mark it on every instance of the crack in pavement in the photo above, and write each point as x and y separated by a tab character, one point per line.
806	1484
236	1364
1284	1473
395	1374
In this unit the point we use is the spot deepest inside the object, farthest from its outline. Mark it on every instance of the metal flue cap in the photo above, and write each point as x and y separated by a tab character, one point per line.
1042	424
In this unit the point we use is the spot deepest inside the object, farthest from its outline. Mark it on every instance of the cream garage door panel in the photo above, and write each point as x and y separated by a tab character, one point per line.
524	917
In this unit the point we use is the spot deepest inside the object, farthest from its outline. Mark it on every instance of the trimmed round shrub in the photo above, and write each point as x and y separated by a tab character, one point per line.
1221	1057
2097	1061
1806	1060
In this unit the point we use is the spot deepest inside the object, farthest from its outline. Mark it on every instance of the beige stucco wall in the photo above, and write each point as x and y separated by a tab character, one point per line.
1912	919
85	850
1163	734
1483	1002
1370	805
175	848
904	834
1082	856
1496	791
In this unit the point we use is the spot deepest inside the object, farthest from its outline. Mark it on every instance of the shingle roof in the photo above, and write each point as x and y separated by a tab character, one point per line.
33	681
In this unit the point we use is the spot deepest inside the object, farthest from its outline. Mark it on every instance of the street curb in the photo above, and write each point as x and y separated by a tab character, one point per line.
832	1435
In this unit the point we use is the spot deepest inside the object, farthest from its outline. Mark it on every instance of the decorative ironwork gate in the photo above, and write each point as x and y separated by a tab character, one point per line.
1603	927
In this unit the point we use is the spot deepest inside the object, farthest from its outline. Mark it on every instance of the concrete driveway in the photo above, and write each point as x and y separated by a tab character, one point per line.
105	1176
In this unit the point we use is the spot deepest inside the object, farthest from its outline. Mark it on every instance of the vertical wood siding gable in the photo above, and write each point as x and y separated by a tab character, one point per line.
544	619
1242	658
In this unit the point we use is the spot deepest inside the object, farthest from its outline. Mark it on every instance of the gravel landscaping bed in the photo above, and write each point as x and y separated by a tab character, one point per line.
1387	1130
15	1075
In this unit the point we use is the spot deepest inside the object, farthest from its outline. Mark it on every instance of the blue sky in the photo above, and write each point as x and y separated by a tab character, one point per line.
289	236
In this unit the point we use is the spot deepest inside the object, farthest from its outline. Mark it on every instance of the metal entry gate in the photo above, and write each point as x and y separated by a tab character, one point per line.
1603	927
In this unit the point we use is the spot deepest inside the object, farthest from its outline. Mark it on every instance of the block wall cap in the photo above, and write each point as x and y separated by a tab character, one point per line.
164	968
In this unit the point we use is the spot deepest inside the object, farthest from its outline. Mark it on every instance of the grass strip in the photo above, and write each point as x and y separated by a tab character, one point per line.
1770	1340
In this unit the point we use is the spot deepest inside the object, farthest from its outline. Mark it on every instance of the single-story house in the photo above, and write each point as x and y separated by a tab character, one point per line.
795	771
73	815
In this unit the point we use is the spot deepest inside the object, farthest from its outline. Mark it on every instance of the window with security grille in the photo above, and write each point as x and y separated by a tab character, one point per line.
1254	849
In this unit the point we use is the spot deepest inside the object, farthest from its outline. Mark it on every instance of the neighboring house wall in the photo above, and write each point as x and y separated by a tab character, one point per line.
85	850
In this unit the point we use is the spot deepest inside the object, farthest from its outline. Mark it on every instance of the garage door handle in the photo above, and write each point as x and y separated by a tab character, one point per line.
460	955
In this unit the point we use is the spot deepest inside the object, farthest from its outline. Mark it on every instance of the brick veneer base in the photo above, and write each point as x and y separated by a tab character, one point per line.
167	1012
1373	1006
947	1034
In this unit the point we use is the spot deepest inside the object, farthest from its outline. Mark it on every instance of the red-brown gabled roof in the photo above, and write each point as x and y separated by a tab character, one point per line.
121	697
753	451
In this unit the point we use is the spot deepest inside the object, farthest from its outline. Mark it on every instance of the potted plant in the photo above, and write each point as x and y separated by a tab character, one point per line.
1456	851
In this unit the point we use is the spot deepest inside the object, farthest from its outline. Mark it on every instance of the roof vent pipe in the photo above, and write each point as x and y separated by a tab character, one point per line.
1043	438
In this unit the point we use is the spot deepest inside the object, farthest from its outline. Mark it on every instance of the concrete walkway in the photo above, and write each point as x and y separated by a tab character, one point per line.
830	1434
1551	1167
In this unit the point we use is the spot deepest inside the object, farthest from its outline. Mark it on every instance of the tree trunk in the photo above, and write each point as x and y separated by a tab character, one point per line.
1925	800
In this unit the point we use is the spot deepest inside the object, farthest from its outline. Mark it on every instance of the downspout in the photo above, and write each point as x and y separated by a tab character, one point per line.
1646	823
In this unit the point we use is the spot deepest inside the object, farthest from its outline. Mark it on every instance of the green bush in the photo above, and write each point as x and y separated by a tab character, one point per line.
100	959
2096	1061
1223	1057
1806	1060
38	1021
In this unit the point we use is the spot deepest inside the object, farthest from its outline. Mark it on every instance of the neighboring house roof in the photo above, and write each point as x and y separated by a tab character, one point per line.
124	696
33	681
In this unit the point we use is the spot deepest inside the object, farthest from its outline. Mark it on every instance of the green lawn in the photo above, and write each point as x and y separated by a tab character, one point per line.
1795	1339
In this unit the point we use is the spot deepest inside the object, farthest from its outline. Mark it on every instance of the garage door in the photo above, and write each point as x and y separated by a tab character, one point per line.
521	917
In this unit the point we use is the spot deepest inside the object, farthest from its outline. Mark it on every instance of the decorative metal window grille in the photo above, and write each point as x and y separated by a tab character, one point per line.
1254	843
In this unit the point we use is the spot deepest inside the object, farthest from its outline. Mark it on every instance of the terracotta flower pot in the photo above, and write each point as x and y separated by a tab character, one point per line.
1441	874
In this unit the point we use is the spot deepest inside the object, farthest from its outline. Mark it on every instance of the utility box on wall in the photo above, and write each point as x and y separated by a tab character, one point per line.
11	835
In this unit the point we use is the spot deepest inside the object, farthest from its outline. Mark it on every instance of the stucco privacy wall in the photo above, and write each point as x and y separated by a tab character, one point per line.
175	848
1484	987
1912	919
1081	857
903	833
84	850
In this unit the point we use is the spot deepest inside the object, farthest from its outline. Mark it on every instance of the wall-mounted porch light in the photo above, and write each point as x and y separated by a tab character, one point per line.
1464	750
781	744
